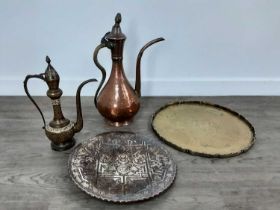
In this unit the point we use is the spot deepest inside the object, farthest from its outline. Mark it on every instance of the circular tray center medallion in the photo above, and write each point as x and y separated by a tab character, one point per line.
203	129
121	167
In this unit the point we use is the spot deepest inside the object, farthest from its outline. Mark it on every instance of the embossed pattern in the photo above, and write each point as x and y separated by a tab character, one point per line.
59	130
121	167
56	102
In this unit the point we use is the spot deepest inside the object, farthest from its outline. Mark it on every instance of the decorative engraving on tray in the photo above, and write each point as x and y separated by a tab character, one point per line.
122	167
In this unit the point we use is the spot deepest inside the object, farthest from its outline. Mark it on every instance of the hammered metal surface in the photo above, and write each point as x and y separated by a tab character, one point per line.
121	167
203	129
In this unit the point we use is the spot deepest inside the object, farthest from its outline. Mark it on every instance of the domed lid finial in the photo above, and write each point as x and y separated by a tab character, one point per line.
116	33
118	18
50	73
48	60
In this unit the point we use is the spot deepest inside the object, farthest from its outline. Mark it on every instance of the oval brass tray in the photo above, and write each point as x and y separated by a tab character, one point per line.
121	167
203	129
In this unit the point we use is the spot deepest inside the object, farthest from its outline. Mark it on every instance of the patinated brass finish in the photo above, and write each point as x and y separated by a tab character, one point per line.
118	101
203	129
60	130
121	167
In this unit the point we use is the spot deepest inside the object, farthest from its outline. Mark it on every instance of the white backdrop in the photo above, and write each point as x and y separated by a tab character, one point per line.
212	47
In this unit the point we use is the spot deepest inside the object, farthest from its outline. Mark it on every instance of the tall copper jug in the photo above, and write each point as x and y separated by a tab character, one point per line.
118	102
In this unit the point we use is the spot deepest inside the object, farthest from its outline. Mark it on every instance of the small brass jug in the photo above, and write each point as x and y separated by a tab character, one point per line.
60	130
118	101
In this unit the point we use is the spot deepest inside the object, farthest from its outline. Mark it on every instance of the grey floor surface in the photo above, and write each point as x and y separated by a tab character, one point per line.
32	176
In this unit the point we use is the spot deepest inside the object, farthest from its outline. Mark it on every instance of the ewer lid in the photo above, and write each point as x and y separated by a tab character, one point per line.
116	33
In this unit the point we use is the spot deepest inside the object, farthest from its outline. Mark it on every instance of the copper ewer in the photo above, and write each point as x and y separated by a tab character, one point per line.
118	102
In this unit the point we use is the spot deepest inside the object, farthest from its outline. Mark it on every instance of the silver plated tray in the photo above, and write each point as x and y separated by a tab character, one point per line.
121	167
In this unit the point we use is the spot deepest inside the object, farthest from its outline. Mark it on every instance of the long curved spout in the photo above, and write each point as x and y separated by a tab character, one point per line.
138	64
79	122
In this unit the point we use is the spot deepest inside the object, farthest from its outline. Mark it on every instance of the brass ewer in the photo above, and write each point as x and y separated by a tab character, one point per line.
60	130
118	102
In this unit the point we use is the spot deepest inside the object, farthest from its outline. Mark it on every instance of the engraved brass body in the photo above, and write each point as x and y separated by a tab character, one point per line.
60	130
118	101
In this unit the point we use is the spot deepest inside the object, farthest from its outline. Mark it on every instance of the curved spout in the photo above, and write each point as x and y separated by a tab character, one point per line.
138	64
79	122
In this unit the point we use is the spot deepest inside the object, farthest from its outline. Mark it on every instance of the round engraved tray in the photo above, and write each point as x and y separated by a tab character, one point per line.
121	167
203	129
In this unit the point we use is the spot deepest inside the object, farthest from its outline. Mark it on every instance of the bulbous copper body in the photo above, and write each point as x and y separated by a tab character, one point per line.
117	101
